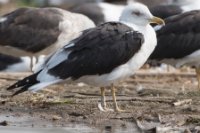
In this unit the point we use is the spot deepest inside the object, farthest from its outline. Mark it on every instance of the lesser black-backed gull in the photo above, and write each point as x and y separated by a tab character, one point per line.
179	41
100	56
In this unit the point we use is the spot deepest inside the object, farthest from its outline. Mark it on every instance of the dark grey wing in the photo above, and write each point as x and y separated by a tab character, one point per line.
165	11
30	29
98	51
179	37
151	3
6	61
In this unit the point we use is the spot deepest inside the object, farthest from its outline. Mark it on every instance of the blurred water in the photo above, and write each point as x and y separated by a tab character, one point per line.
26	124
71	128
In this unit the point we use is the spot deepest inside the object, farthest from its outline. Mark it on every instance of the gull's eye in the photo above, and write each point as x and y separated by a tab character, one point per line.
137	13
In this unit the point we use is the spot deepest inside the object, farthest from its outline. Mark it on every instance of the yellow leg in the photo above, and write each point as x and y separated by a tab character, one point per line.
102	106
198	76
116	108
31	64
103	99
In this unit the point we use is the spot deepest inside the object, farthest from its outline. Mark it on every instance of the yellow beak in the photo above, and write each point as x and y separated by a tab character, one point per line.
157	20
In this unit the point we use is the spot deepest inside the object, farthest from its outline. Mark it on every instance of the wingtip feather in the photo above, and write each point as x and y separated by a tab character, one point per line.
12	87
21	90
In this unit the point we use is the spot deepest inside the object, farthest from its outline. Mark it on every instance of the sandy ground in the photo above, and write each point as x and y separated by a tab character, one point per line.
165	102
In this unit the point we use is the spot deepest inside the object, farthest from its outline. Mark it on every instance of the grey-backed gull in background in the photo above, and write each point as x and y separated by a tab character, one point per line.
39	31
187	5
175	7
152	3
100	56
165	11
100	12
179	41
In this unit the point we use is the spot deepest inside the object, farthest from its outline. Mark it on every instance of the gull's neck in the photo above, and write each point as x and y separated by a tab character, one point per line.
139	28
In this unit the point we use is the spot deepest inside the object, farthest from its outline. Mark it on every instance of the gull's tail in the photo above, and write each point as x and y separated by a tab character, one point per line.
34	82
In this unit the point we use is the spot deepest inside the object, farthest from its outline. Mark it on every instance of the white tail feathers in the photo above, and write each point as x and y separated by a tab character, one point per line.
42	85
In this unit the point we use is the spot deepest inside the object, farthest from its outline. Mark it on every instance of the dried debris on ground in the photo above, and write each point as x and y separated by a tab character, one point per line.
164	102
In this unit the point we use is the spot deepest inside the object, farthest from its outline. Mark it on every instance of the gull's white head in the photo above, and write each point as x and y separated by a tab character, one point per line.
139	14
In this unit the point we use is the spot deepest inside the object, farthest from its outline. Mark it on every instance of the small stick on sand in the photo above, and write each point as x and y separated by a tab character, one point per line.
182	102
